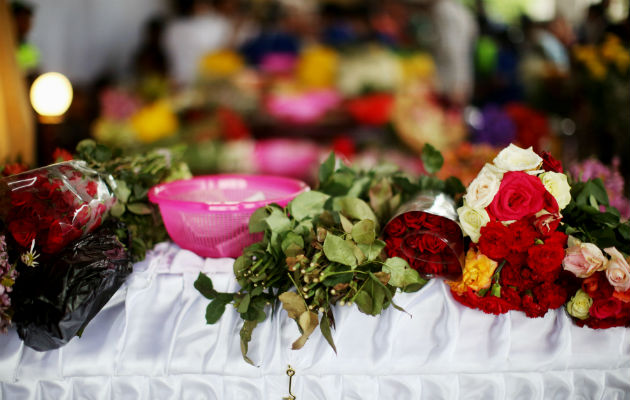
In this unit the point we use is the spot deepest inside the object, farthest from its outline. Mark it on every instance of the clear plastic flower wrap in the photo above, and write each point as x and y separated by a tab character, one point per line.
424	232
53	205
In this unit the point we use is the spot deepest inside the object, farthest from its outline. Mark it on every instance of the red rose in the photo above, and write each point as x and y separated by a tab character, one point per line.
597	286
60	234
21	197
395	227
547	223
91	189
413	219
14	169
493	240
545	260
432	243
550	163
550	203
23	231
432	222
519	195
606	308
81	216
60	155
522	235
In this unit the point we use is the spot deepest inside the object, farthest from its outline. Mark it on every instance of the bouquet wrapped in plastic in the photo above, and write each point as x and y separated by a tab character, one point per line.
424	233
54	205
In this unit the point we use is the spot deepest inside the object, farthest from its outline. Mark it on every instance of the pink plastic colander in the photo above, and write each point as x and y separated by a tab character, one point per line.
209	215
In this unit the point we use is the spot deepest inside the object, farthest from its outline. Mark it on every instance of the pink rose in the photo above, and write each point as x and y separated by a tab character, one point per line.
584	259
617	270
519	195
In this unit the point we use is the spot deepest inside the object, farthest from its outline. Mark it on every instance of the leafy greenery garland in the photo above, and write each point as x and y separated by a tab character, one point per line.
323	249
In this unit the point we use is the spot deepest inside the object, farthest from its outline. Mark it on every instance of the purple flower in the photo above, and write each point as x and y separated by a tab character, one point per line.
495	127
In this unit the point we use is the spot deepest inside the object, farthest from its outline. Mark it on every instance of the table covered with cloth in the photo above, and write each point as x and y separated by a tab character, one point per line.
151	342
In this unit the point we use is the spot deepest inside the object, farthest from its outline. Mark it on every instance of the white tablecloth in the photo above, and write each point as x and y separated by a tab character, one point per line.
151	342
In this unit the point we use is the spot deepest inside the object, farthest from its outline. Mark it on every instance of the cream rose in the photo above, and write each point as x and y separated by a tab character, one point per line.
583	259
579	305
557	185
482	189
472	220
617	270
514	158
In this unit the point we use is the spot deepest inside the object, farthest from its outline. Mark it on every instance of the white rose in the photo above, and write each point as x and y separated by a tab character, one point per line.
513	158
472	220
482	189
557	185
617	270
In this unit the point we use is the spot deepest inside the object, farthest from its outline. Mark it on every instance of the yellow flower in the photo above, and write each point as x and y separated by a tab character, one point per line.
155	121
477	274
585	54
579	305
418	66
317	67
597	69
222	63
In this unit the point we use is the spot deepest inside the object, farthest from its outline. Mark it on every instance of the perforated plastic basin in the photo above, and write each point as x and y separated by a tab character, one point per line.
209	215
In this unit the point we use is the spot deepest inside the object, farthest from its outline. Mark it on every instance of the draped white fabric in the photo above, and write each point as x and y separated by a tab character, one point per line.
151	342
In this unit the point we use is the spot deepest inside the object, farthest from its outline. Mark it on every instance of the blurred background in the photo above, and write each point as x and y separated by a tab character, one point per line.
270	86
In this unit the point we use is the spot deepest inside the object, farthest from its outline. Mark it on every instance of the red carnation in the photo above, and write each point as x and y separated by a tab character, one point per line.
545	260
531	308
14	169
550	295
547	223
557	238
523	236
550	163
494	240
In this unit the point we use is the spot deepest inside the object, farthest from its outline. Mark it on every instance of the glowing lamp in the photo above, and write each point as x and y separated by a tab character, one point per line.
51	95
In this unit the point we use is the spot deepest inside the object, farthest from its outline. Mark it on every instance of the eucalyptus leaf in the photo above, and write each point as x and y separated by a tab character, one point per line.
338	250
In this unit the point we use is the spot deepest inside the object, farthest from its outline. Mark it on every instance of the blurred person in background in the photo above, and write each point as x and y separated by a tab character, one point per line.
150	59
448	30
596	23
204	26
28	55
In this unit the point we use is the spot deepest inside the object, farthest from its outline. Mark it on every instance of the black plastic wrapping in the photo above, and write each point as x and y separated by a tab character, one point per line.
54	301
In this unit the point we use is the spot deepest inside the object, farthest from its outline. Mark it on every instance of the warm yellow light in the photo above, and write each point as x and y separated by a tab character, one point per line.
51	94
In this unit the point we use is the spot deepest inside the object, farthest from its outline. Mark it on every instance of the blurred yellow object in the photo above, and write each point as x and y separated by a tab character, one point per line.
418	66
114	133
222	63
613	51
317	67
154	122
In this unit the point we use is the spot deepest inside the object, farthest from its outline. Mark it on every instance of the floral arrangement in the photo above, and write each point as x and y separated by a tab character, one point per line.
511	212
597	258
323	250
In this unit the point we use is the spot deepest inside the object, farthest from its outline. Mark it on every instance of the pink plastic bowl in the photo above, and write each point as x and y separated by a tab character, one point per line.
209	215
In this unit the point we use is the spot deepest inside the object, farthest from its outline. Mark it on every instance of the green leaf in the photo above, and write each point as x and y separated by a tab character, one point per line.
307	323
432	159
495	290
257	220
354	208
327	168
372	251
293	303
204	285
359	187
277	221
345	223
215	310
139	208
364	232
624	231
122	192
291	244
118	209
379	195
401	275
364	301
324	327
339	276
339	184
244	304
307	205
386	292
102	153
338	250
453	186
358	254
246	337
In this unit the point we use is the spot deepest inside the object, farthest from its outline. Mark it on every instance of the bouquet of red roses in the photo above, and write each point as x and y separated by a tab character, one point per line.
425	234
54	205
511	212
